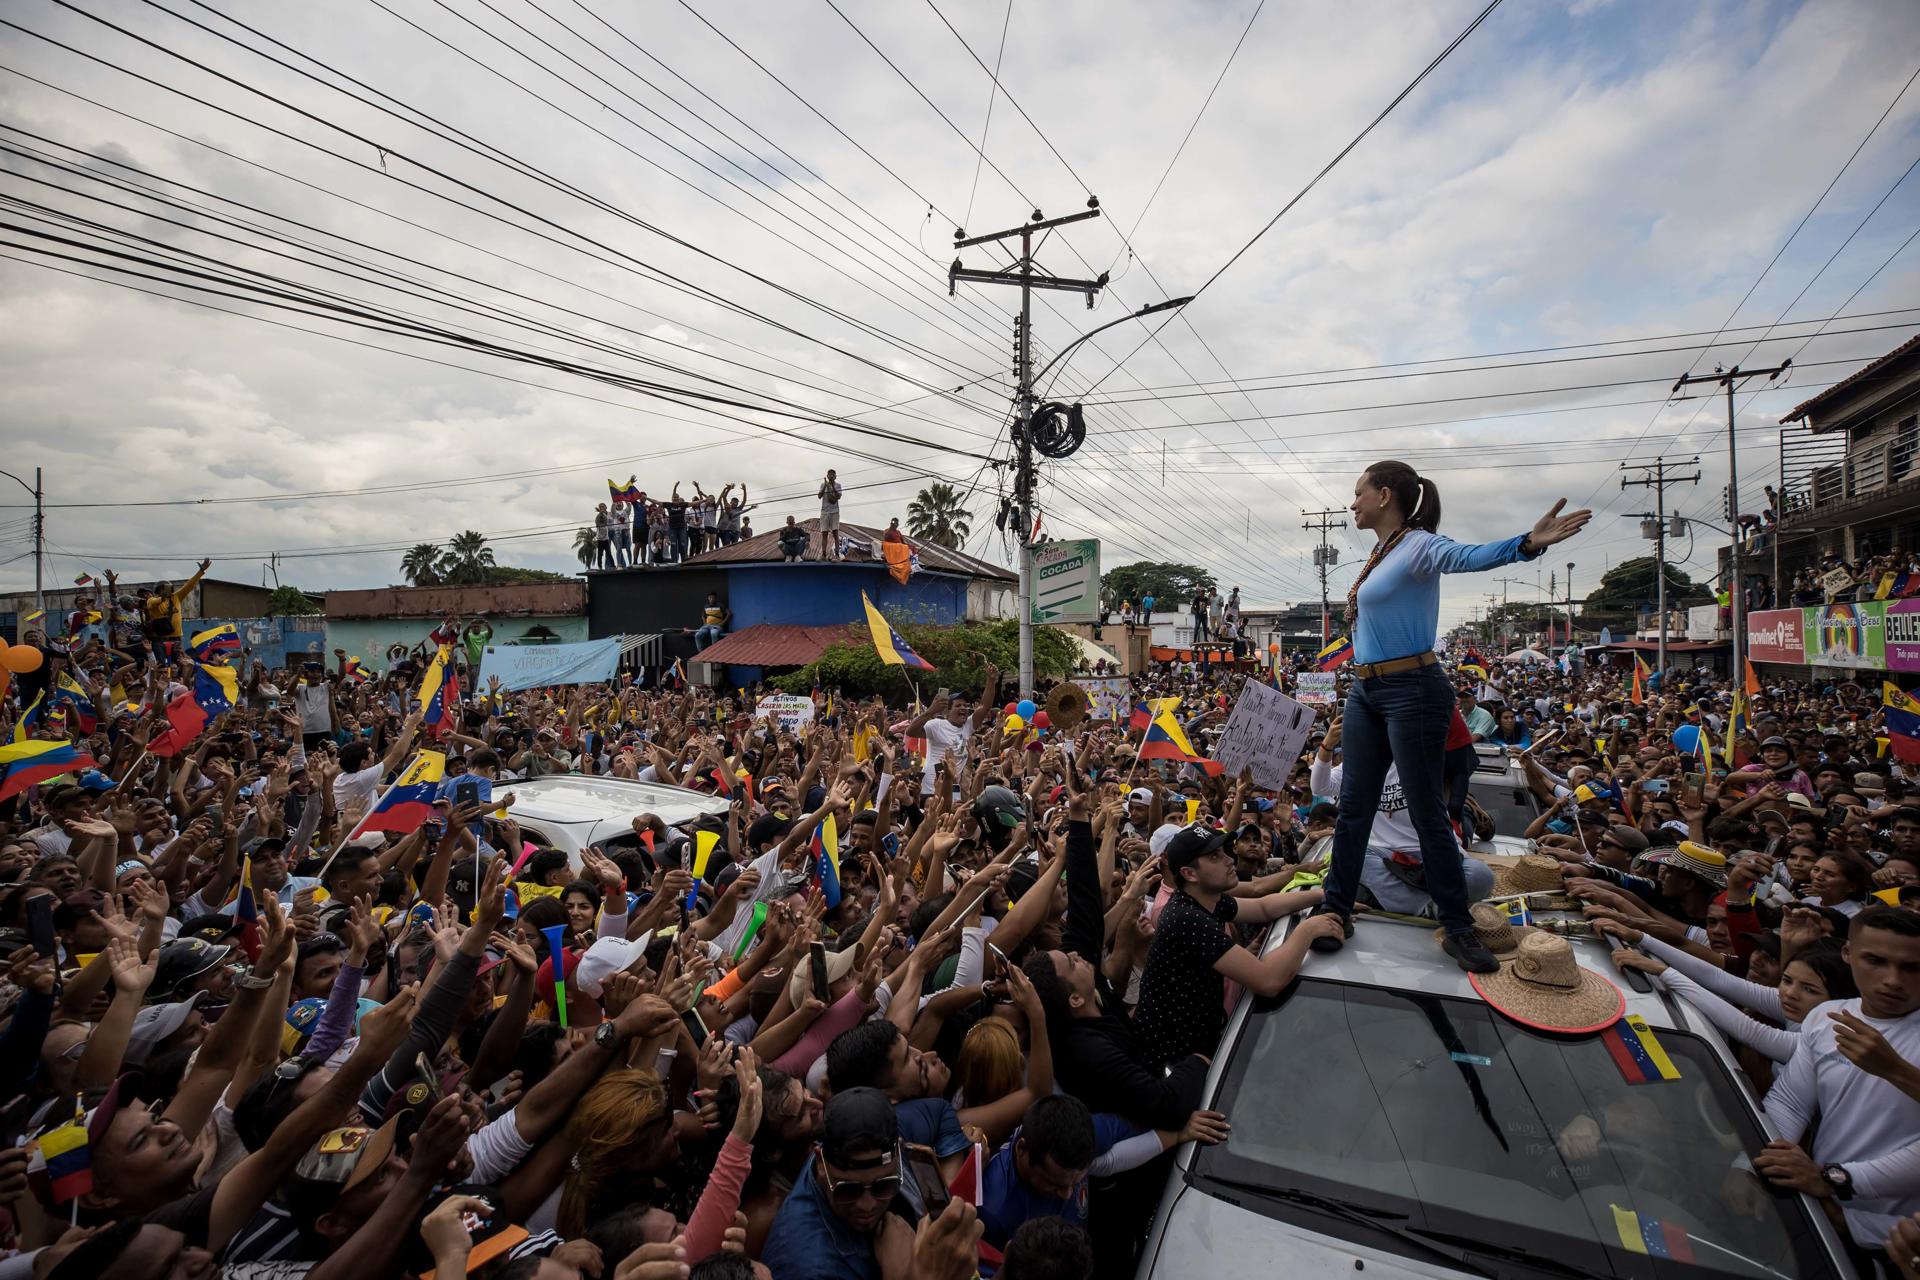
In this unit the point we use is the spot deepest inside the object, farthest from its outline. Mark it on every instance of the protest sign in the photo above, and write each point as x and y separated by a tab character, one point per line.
792	709
1107	697
1317	688
1266	732
535	666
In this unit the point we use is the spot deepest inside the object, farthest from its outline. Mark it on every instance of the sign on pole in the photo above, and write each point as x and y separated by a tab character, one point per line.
1317	688
793	710
1266	731
1066	580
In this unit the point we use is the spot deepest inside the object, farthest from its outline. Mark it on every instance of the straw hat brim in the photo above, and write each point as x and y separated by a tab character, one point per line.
1594	1005
1522	877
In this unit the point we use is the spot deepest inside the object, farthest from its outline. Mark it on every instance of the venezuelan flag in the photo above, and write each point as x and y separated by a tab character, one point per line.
1474	665
216	690
1641	1233
1634	1049
24	763
68	1162
623	492
1903	722
893	650
409	801
440	694
1736	722
29	719
1334	654
1166	740
246	912
824	850
1640	672
67	692
33	617
224	638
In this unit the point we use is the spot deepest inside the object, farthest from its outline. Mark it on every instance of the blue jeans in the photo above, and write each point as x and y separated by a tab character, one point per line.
1401	719
706	636
622	546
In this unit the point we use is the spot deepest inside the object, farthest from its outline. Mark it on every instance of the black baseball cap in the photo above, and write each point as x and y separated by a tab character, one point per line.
859	1129
1188	845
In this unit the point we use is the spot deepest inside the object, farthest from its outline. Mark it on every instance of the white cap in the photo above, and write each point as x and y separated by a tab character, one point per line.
1163	836
1140	795
606	957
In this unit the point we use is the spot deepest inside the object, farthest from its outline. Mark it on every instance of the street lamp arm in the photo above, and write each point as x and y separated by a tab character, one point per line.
1061	354
22	483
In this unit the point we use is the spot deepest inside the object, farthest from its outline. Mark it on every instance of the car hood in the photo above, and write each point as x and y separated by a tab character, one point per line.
577	799
1204	1236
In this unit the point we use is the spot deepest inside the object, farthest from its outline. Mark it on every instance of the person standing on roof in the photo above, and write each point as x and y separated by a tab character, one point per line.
829	515
1401	703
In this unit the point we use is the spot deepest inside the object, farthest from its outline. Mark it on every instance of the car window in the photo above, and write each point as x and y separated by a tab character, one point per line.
1467	1123
1511	807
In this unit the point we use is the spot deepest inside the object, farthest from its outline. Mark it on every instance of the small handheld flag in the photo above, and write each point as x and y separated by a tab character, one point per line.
68	1162
1334	654
1635	1050
216	689
409	801
825	849
246	912
893	650
224	638
439	694
1642	1233
623	492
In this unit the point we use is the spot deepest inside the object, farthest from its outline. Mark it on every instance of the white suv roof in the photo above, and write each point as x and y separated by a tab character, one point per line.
575	810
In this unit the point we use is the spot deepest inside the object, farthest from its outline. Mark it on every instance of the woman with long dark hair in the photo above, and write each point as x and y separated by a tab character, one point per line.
1401	703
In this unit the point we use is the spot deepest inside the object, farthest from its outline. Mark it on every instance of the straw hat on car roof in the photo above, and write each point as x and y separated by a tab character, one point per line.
1546	989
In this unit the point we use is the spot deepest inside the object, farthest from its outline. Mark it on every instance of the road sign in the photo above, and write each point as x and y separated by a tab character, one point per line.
1066	580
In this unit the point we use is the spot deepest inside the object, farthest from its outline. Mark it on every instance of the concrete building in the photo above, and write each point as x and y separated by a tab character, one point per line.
786	613
368	624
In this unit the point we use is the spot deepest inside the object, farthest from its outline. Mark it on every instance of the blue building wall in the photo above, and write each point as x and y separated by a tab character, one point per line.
825	594
277	642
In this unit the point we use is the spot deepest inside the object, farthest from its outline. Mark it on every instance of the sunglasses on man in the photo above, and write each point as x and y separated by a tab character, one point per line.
847	1191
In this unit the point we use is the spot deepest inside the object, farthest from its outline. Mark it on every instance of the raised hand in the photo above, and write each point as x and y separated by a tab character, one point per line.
1554	527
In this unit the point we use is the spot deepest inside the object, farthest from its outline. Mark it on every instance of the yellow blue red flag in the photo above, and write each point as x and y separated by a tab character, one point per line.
1902	711
439	694
893	650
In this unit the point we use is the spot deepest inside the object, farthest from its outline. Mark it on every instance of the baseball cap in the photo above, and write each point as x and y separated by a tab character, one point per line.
1140	795
340	1161
1632	839
301	1018
94	780
1775	741
858	1124
255	845
606	957
185	958
153	1024
1194	841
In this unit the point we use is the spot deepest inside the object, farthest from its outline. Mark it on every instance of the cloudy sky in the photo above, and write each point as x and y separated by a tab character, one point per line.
620	187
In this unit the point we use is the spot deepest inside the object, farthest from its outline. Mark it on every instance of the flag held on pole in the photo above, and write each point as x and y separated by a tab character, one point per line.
893	650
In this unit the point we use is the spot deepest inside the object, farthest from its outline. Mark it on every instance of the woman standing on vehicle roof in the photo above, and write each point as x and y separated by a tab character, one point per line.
1401	703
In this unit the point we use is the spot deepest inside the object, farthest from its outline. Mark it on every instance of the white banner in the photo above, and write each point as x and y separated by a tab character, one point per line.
792	709
1317	688
1267	731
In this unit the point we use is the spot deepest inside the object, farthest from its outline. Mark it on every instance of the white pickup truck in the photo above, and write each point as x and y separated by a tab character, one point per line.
572	811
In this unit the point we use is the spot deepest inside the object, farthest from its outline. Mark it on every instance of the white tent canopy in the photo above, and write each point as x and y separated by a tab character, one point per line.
1526	655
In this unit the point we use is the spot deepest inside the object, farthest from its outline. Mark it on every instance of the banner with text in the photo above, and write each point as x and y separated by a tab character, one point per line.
1266	731
1902	633
1107	697
1066	580
1317	688
1846	635
535	666
1774	635
793	710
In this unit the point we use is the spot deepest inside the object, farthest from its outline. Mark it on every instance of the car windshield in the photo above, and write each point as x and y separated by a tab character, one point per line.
1511	807
1477	1129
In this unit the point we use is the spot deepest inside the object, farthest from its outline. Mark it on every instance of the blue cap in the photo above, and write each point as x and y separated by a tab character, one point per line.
94	780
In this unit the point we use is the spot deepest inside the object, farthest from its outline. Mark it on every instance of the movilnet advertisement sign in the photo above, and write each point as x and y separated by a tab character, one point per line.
1774	635
1903	635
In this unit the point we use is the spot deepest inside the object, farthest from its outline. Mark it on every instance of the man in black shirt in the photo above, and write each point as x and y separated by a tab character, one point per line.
1183	990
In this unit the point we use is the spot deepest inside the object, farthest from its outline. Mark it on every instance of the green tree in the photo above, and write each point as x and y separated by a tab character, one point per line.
289	602
935	515
1630	586
506	574
955	651
468	559
583	547
421	564
1166	582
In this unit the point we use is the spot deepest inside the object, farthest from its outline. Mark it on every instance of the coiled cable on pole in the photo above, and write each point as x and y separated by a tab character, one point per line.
1057	429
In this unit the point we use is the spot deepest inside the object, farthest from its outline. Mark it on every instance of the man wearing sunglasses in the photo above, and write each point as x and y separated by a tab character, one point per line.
845	1216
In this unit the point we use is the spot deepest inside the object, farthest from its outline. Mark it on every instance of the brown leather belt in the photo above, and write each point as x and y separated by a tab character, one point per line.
1393	666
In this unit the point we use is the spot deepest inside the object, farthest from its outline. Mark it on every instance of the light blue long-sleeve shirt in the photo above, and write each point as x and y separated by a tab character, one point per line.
1400	600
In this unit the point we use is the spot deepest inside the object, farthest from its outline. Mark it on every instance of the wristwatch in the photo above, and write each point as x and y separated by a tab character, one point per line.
606	1036
1839	1179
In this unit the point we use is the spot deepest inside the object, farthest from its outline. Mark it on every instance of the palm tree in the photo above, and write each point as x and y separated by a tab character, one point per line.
468	559
422	564
583	547
935	515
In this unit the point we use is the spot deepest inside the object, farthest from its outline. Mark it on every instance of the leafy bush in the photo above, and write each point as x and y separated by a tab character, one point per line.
957	652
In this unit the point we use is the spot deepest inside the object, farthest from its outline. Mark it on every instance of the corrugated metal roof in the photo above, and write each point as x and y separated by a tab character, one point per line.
511	600
1846	385
765	547
775	644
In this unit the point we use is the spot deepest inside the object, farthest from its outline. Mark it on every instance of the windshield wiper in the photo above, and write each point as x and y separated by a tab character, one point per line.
1514	1253
1347	1211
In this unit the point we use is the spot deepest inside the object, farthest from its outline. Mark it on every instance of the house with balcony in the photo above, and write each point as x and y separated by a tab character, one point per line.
1849	470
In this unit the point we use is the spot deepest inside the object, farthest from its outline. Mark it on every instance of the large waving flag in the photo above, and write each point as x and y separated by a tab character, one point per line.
623	492
216	690
1166	740
1334	654
1903	722
214	641
1474	665
893	650
24	763
440	695
68	693
409	801
824	853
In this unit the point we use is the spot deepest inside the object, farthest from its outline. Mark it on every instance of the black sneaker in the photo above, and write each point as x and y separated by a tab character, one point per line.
1327	942
1469	954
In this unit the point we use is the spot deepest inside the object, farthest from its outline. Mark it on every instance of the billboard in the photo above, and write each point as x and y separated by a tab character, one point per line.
1066	580
1851	635
1703	622
1774	635
1902	635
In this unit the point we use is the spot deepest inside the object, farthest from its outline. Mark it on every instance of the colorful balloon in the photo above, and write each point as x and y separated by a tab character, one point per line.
1025	710
21	658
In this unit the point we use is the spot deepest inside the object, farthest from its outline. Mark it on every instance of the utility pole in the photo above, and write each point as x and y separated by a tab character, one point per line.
1553	584
1570	641
1506	619
1736	592
39	535
1325	556
1022	275
1655	477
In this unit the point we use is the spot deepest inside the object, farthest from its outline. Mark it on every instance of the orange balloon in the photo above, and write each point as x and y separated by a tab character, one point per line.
21	658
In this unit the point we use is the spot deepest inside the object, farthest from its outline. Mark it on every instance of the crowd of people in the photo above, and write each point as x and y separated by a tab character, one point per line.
921	991
631	529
